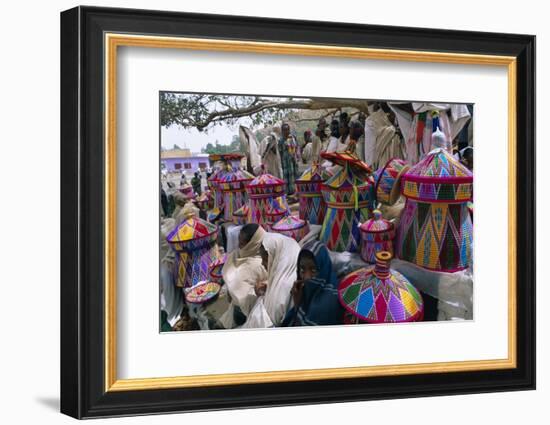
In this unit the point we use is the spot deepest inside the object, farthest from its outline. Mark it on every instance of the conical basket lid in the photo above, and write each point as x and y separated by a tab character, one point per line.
380	294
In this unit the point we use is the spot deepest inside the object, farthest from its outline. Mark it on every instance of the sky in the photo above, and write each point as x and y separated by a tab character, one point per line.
195	140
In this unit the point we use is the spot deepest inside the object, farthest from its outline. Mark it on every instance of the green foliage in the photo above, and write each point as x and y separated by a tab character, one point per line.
234	146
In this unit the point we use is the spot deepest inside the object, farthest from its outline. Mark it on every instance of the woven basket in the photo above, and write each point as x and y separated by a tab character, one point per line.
263	192
380	294
232	185
216	269
308	190
194	242
435	230
291	226
241	215
349	197
217	207
388	181
377	235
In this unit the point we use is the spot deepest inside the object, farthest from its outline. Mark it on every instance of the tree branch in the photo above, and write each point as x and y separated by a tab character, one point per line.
192	110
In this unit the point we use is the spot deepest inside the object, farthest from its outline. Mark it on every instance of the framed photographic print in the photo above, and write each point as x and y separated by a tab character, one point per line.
261	212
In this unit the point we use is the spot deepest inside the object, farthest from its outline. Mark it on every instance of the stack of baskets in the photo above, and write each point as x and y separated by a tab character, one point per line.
348	195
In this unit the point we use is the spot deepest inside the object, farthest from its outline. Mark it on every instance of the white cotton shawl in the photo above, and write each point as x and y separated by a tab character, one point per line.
242	270
251	147
271	308
269	152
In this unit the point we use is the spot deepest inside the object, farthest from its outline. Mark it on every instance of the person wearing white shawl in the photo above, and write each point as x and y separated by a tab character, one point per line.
269	152
382	142
242	271
282	258
251	147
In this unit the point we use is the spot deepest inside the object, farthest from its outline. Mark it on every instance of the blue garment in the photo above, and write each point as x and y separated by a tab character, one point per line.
319	304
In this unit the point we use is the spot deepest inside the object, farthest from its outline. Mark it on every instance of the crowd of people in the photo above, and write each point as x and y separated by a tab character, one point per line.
390	130
271	280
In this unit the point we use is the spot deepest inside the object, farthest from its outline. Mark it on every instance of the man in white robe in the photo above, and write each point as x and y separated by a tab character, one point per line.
274	300
416	124
382	141
241	272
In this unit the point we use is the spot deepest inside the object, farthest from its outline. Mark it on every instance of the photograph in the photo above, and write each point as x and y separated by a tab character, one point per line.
286	211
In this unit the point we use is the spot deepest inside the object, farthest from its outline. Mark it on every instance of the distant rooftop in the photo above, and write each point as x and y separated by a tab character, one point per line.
176	153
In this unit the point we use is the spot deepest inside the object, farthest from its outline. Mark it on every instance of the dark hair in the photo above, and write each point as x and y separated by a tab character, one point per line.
355	124
344	118
334	128
248	231
305	253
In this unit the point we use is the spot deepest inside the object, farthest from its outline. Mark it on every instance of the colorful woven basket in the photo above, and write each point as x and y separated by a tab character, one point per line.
292	227
240	216
233	159
217	207
264	191
187	190
232	185
349	198
435	229
278	209
202	292
194	241
377	235
388	181
380	294
216	269
308	189
203	200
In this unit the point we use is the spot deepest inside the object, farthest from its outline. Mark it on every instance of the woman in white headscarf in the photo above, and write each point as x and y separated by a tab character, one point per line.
241	272
269	152
280	257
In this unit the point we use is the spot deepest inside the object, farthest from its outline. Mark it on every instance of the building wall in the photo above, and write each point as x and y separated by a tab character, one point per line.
187	164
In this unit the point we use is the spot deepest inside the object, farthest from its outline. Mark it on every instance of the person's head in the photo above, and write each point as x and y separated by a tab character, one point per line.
307	136
307	267
322	124
344	125
197	174
265	256
468	158
335	128
246	233
285	130
356	130
314	263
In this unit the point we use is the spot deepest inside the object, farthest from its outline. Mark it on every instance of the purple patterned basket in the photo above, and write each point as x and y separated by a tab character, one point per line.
292	227
377	235
194	241
264	191
308	189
